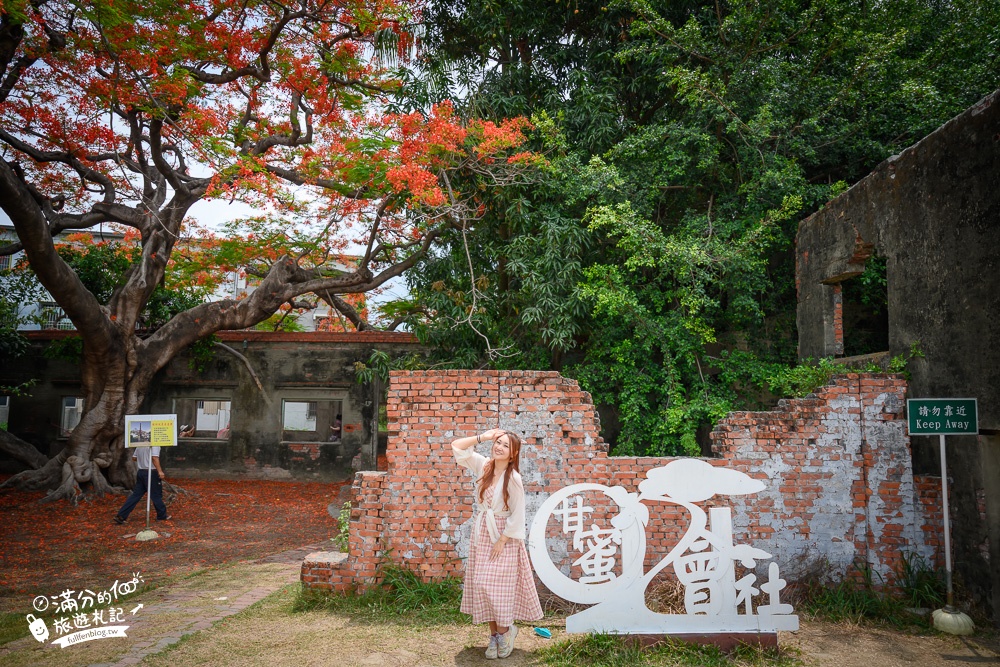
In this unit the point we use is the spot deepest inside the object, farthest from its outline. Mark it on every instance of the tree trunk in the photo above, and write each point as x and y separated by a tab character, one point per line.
94	460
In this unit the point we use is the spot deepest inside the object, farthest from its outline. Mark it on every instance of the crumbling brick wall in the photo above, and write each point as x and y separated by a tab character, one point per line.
839	485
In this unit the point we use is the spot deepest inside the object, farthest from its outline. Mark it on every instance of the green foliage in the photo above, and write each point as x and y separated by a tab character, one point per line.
850	601
17	287
865	600
377	368
343	538
102	268
402	596
805	378
14	291
900	362
12	343
379	365
202	353
281	321
651	257
871	287
599	650
919	584
12	626
18	389
69	348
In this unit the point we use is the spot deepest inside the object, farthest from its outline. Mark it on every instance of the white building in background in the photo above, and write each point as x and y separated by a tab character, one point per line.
43	313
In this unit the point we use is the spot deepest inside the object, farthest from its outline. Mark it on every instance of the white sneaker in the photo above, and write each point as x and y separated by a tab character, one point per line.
506	642
491	650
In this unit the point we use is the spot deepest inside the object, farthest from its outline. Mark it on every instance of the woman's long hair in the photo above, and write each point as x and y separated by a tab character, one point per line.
513	464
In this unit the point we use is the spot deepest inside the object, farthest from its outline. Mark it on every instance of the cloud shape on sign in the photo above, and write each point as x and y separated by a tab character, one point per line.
693	480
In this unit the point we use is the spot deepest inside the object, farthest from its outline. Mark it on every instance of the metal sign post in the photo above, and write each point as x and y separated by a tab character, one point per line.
941	417
149	484
150	431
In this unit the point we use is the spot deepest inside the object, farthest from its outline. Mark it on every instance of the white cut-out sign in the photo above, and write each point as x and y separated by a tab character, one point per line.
703	560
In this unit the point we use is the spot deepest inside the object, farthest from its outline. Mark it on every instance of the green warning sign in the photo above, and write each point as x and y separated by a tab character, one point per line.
942	416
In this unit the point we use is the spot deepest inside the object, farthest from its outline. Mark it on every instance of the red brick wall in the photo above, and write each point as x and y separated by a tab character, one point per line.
929	497
836	466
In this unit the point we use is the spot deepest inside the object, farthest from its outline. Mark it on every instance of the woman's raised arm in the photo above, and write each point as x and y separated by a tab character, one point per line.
473	440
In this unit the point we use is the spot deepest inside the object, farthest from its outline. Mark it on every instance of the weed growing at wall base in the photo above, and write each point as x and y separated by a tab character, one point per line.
402	596
617	651
864	601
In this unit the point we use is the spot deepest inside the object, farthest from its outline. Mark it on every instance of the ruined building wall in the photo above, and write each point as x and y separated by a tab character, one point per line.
933	212
839	486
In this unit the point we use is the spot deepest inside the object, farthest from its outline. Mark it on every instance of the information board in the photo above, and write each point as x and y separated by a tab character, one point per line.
150	431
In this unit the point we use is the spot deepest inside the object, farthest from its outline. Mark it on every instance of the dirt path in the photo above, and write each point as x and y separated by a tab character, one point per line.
169	615
846	645
210	619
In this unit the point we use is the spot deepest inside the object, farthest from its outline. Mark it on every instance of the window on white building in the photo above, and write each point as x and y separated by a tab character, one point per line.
53	317
72	410
4	411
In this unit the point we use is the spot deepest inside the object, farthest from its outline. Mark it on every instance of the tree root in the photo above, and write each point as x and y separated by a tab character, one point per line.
68	488
37	480
62	478
172	491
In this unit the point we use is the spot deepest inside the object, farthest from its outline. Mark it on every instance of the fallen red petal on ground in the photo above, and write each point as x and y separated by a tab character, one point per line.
46	548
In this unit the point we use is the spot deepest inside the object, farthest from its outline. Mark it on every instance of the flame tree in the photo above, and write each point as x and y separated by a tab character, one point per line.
129	113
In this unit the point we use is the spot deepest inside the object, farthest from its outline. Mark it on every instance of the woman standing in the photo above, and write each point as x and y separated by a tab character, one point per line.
499	588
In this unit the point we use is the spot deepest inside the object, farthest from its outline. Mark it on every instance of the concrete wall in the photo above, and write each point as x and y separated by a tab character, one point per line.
290	367
839	487
934	213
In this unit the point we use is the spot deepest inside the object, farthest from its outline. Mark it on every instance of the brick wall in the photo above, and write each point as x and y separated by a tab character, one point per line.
839	485
838	319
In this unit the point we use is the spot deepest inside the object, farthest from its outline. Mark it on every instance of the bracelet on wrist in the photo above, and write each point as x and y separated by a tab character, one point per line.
479	437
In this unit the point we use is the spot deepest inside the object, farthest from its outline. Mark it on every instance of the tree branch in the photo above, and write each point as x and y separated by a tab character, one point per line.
53	272
347	310
246	362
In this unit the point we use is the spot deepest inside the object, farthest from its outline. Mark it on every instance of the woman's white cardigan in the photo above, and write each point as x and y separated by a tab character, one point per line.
514	512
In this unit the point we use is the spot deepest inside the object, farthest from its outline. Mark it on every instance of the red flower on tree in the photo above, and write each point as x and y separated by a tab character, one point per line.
132	113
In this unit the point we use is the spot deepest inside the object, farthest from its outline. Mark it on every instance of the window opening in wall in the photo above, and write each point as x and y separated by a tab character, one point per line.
4	411
203	417
6	262
312	421
72	411
866	309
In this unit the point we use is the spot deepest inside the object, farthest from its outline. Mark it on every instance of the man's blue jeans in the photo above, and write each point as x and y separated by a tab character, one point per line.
139	491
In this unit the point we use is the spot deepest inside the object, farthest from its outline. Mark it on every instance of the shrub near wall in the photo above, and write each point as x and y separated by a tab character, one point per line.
839	486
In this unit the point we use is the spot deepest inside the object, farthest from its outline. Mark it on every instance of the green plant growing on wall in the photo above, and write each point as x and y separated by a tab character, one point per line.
900	363
803	379
202	353
343	538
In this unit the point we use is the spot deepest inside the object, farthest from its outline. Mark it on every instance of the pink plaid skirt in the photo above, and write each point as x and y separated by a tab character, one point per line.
500	590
